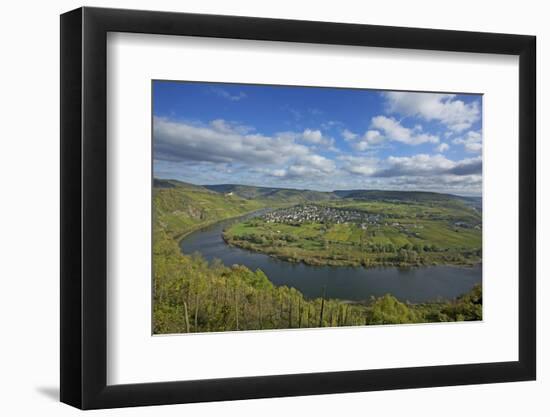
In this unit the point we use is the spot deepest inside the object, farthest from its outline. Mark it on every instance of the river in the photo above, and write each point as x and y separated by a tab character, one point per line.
347	283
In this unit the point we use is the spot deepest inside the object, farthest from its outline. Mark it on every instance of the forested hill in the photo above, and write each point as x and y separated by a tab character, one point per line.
299	196
162	183
407	196
280	195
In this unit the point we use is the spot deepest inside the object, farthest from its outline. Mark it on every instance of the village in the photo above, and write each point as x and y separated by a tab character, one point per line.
321	214
311	213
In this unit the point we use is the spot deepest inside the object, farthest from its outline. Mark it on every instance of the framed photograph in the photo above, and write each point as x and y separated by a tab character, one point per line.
257	208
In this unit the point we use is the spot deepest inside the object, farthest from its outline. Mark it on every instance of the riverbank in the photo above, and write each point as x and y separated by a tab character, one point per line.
297	256
178	238
192	295
305	244
413	284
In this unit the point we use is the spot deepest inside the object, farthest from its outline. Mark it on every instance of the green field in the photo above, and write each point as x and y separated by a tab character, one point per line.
406	234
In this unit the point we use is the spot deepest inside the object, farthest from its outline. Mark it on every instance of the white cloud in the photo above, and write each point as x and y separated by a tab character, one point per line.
224	126
471	141
442	147
455	114
393	130
385	128
473	147
370	139
315	137
306	166
309	136
222	151
221	126
227	95
419	165
312	136
348	135
373	136
360	165
329	124
278	172
220	142
317	162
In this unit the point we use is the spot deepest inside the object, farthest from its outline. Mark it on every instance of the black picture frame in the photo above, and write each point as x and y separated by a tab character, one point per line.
84	207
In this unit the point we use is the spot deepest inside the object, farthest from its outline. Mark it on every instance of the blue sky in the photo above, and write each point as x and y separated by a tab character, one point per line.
317	138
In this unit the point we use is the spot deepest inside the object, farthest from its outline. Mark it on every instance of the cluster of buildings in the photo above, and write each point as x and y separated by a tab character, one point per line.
320	214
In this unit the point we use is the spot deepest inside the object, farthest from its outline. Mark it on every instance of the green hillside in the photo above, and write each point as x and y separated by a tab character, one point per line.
179	208
423	197
273	195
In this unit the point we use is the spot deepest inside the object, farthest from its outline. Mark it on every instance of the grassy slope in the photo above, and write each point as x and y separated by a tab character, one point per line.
181	208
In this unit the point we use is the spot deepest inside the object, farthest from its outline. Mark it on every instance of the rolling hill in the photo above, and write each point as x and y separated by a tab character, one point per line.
408	196
299	196
279	195
179	207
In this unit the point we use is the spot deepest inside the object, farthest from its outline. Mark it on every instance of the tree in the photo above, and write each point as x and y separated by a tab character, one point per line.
403	255
186	317
388	310
322	307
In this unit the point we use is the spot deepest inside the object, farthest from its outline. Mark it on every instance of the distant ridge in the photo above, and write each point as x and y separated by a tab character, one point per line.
292	195
410	196
162	183
272	193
